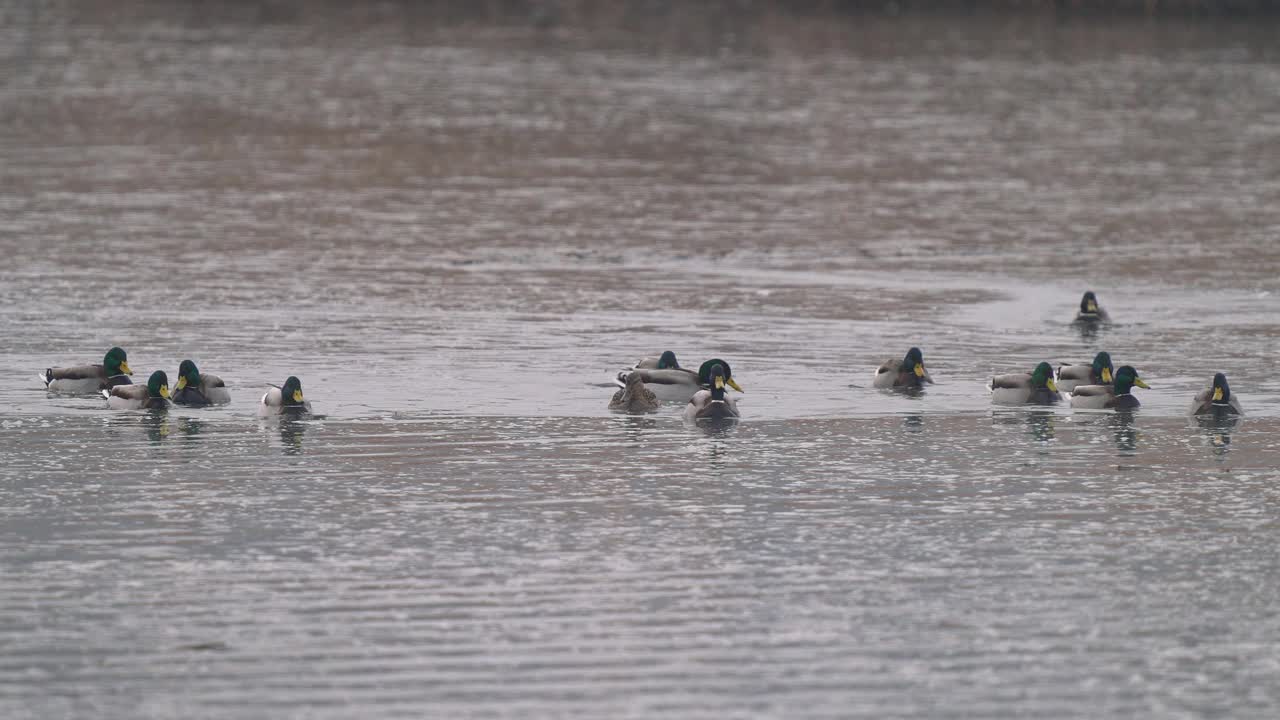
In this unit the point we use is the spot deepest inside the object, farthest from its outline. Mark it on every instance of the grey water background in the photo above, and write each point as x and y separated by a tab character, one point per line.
456	224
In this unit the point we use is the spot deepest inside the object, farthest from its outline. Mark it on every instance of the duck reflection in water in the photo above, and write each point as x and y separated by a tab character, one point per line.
719	452
1125	431
1217	431
1040	425
635	426
191	428
291	431
718	427
157	424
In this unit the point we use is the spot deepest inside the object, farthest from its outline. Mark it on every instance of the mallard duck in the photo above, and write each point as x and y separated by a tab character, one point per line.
1101	372
906	373
1090	311
154	395
712	404
197	388
286	400
85	379
1115	396
1034	388
1216	399
634	398
665	361
678	384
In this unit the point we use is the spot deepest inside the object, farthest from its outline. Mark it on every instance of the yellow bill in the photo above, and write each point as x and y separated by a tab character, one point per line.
734	385
919	370
719	383
297	396
1053	387
1092	307
1217	394
1140	383
164	391
124	368
1106	376
182	382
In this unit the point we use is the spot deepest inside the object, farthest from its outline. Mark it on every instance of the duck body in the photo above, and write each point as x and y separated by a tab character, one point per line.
198	389
1034	388
1110	397
634	398
82	380
1102	397
712	405
285	400
906	374
1099	372
152	396
702	406
90	379
203	395
676	383
1216	400
671	384
1090	310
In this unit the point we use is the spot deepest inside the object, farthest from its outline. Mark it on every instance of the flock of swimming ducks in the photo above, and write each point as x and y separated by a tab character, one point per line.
194	388
1097	385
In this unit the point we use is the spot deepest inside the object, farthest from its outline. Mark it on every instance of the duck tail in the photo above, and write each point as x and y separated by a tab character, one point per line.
621	379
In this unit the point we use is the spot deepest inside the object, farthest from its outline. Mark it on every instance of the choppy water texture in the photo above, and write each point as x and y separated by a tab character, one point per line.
454	228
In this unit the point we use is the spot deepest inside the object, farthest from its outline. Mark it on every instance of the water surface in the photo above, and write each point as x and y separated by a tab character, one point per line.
456	228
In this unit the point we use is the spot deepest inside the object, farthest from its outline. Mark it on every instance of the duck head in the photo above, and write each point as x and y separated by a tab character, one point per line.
718	380
914	363
704	373
1089	304
116	362
188	375
158	385
1221	390
1102	367
1042	377
667	361
291	392
1127	378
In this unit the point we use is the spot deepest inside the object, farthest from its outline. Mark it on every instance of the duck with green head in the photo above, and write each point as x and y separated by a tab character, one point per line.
196	388
1090	310
677	383
1117	396
907	374
1099	372
665	361
712	404
152	396
285	400
1216	400
1034	388
85	379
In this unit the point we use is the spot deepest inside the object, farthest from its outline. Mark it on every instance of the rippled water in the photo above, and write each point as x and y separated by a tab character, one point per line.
455	228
